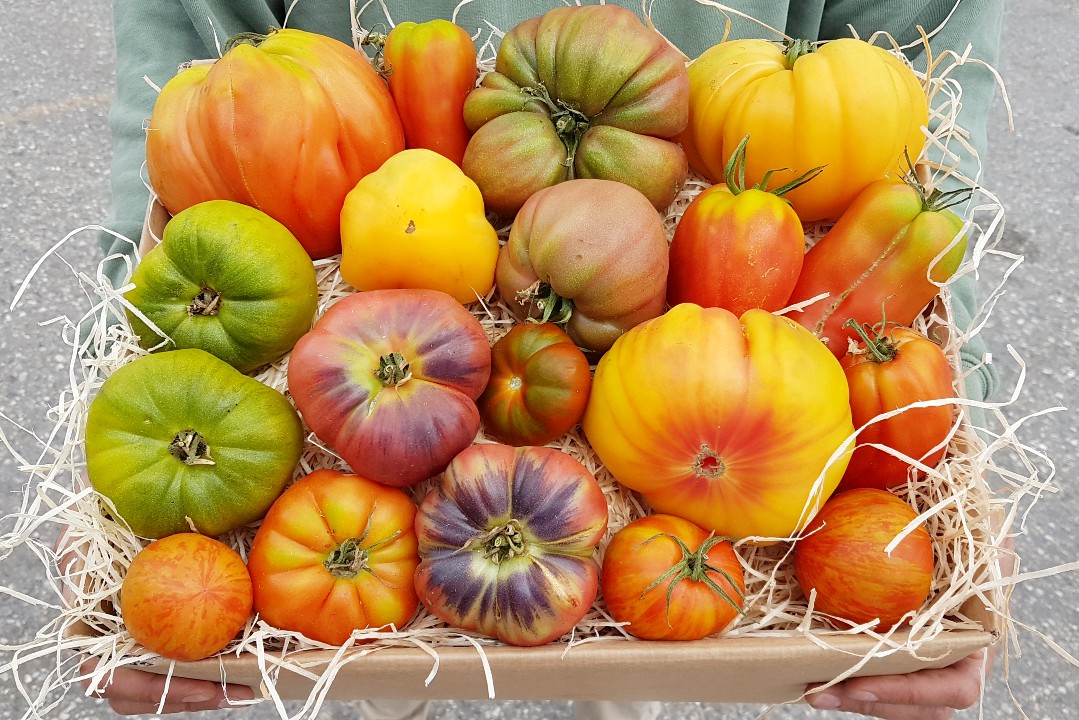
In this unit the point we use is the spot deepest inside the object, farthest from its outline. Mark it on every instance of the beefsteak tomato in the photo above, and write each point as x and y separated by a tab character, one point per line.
738	425
506	543
228	279
538	388
335	553
181	441
220	131
389	379
671	580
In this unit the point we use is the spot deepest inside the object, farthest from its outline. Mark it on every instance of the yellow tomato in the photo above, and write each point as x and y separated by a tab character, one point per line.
847	105
727	422
418	222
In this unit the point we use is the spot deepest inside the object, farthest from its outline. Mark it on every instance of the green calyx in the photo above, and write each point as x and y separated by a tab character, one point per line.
795	49
694	566
569	123
190	448
248	38
552	307
393	369
879	347
735	174
934	200
502	542
350	558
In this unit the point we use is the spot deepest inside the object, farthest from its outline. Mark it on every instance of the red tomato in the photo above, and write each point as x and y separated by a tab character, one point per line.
737	248
186	596
671	579
507	540
334	554
538	388
891	370
842	557
389	379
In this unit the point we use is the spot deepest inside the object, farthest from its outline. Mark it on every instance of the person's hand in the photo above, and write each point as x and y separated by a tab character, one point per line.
137	692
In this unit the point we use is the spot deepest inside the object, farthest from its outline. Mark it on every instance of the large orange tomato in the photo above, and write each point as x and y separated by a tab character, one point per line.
848	105
335	553
286	123
736	424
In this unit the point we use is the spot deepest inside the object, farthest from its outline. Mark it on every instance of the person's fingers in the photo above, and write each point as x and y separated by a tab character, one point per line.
890	712
133	692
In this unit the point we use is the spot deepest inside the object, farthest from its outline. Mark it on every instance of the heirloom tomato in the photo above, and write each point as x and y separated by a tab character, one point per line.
180	441
846	104
590	255
893	248
335	553
538	388
737	248
507	540
286	122
739	425
389	380
671	580
579	92
418	222
185	596
843	556
431	69
888	371
228	279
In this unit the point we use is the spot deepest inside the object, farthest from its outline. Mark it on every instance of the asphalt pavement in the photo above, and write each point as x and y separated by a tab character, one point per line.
55	88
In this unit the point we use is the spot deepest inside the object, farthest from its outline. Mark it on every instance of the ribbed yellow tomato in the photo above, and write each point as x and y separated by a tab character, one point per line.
728	422
848	105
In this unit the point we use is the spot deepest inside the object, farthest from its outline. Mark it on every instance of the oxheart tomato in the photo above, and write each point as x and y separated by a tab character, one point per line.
538	388
891	369
843	556
671	580
590	255
506	543
228	279
579	92
335	553
287	123
389	380
181	441
186	596
736	424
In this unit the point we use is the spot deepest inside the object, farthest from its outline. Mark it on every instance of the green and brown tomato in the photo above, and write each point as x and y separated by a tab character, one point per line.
228	279
507	540
579	92
180	441
590	255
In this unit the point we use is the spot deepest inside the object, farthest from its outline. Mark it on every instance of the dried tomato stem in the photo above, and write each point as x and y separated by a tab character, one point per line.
206	303
393	369
881	348
191	448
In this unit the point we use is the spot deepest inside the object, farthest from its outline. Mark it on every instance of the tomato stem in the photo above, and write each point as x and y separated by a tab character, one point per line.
191	448
552	307
248	38
735	174
936	199
795	49
570	123
694	566
881	348
206	303
503	542
393	369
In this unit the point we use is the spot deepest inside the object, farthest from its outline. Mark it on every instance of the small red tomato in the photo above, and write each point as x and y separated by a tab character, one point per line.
842	557
538	388
186	596
671	579
737	248
891	370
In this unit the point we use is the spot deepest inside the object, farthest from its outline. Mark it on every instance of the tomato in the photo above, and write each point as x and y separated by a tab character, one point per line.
892	249
847	105
389	379
185	596
735	424
287	123
335	553
181	441
671	580
431	69
737	248
418	222
588	254
506	543
538	388
228	279
579	92
888	371
843	556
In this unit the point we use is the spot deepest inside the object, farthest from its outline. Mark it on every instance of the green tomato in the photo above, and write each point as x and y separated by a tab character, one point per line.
181	441
227	279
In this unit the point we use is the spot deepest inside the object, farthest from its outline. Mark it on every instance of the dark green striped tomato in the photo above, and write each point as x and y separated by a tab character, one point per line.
506	543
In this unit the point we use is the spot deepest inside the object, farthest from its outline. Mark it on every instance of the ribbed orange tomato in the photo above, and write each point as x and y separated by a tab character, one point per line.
736	424
848	105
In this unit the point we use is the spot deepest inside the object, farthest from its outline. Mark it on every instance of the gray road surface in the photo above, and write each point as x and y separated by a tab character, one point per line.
55	86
